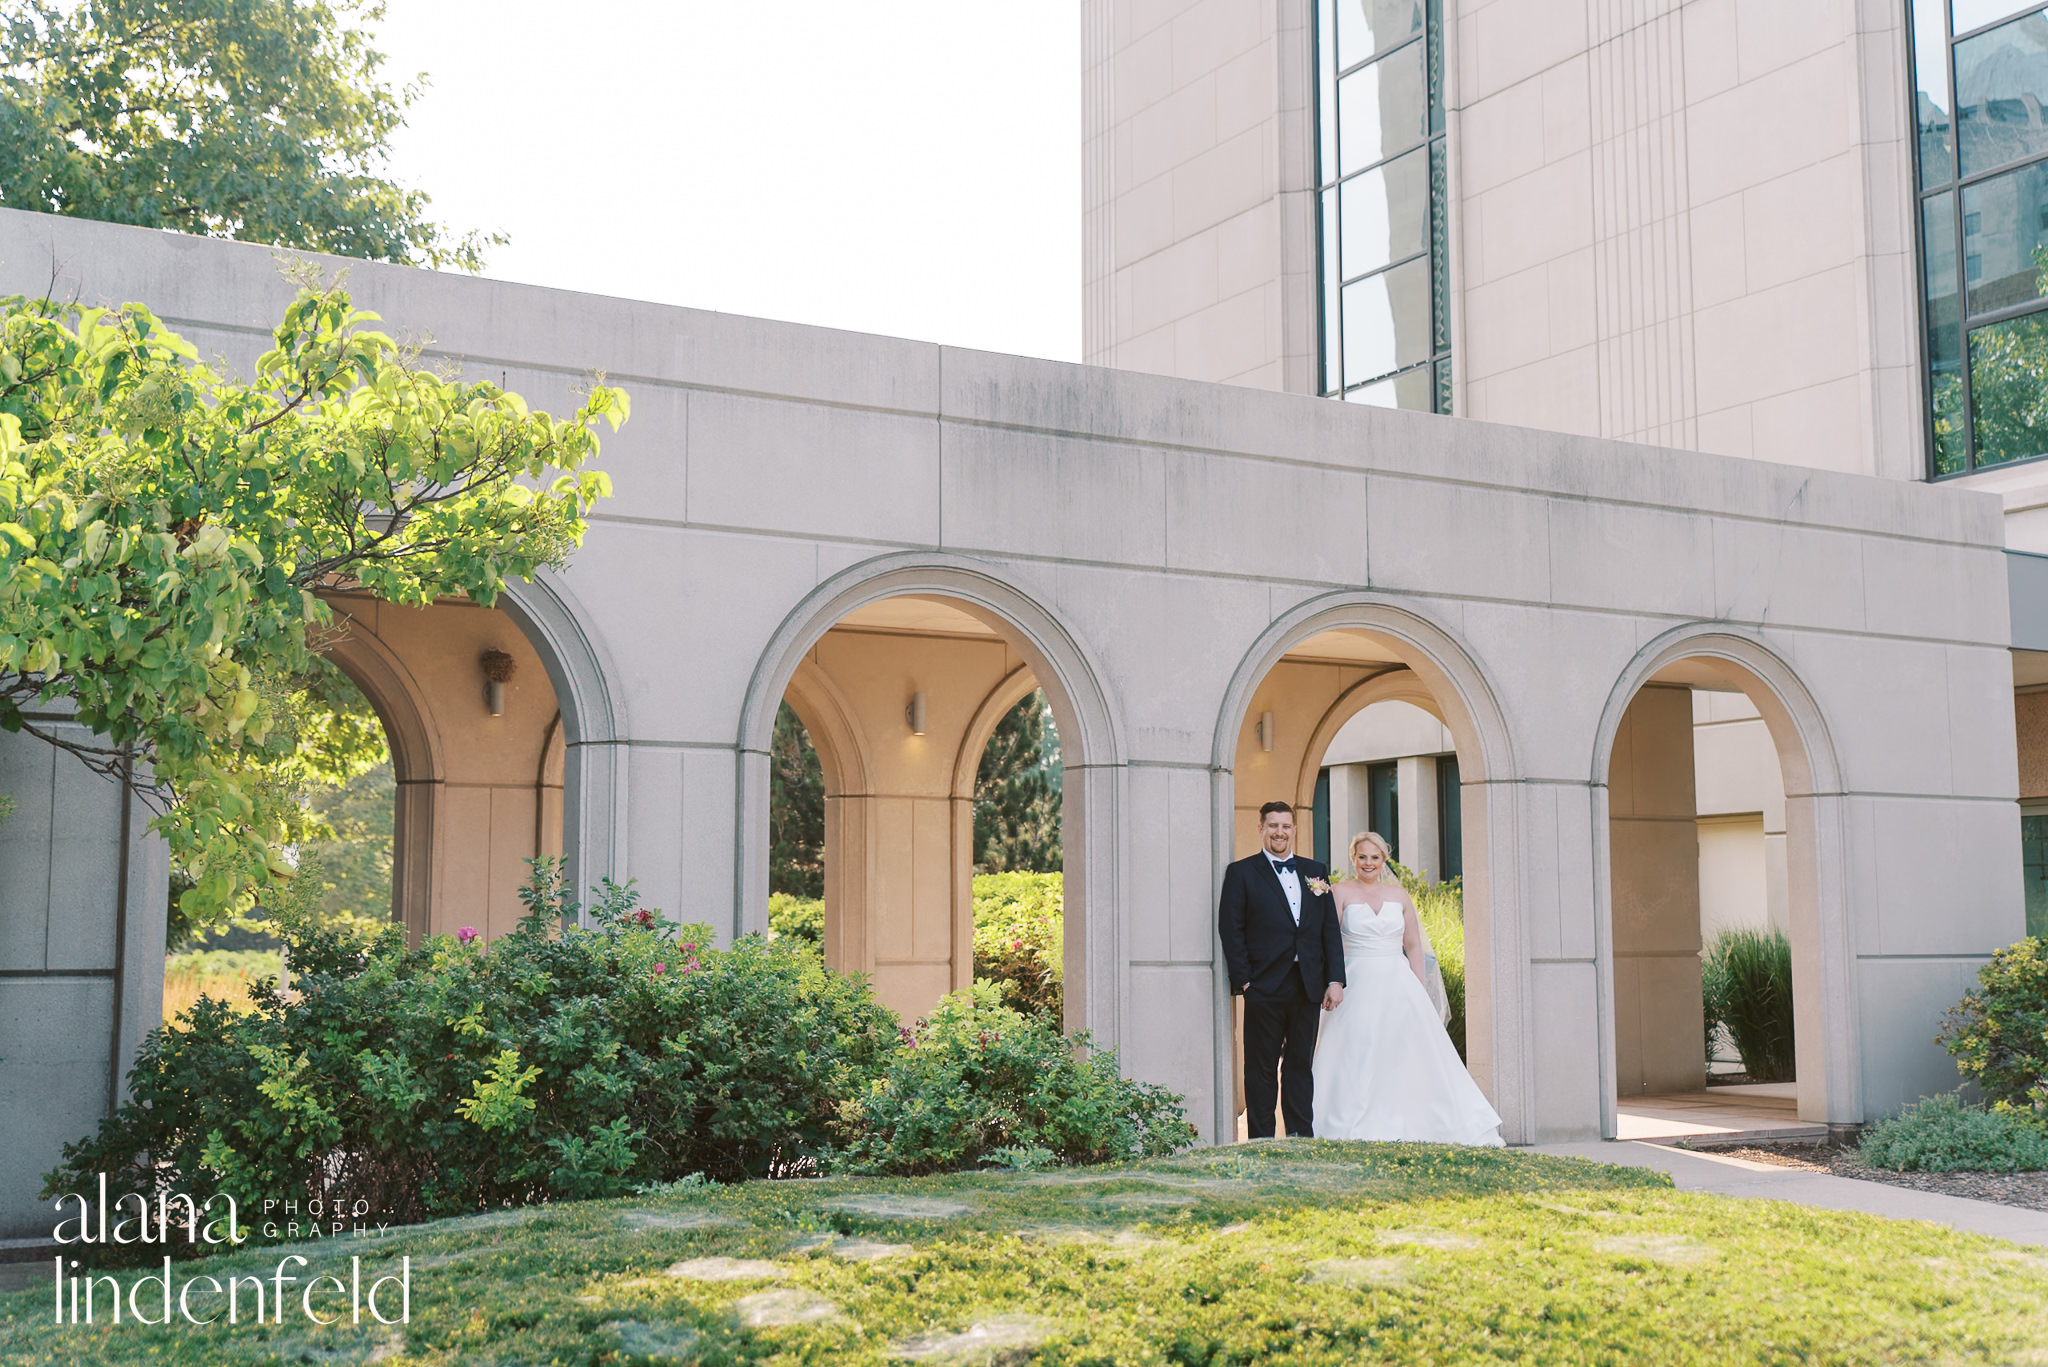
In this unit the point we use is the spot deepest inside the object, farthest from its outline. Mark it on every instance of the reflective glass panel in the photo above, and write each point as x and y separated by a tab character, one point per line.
1977	13
2001	83
1386	322
1333	371
2034	854
1930	97
2008	401
2005	238
1380	109
1385	212
1366	26
1410	390
1326	91
1944	331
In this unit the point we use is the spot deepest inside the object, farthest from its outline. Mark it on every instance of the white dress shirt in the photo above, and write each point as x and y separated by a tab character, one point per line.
1290	883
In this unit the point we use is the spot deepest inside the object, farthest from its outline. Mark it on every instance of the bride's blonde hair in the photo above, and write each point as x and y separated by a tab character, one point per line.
1386	850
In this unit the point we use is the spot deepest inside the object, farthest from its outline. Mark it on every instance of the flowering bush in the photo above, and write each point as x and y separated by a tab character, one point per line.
1999	1033
1019	940
564	1061
552	1063
979	1082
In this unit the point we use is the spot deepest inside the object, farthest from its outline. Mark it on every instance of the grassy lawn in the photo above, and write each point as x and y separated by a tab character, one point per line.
1302	1251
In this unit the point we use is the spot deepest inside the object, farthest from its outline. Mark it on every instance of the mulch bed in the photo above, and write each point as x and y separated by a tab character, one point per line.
2025	1189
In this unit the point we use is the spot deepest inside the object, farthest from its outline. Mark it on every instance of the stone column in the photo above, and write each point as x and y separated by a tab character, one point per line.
1659	1042
84	890
1421	842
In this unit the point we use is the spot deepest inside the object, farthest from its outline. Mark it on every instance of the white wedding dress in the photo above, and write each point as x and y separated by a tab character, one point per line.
1384	1067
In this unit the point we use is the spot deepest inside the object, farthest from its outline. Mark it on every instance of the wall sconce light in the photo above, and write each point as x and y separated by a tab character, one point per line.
498	670
1266	730
914	714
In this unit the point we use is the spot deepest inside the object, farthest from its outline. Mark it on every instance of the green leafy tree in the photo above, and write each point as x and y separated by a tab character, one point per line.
163	530
796	810
1017	793
259	120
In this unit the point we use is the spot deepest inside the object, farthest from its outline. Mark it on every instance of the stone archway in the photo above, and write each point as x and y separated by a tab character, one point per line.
1048	657
1427	661
1828	1049
478	791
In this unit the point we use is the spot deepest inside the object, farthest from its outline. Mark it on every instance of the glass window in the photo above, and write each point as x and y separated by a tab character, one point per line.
1944	330
2003	239
1977	13
2034	857
1930	70
2009	389
1449	819
1380	110
1333	352
1409	389
1368	26
1386	322
1385	214
2001	82
1383	210
1983	173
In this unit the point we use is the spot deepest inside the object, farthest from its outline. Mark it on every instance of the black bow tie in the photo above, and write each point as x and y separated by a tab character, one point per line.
1286	864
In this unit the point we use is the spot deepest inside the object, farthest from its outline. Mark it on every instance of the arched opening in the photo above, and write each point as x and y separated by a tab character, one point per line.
478	755
851	661
1718	794
1366	716
911	754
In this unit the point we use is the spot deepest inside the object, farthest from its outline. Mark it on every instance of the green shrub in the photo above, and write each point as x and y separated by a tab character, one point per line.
1441	909
1746	985
1999	1033
981	1082
552	1064
1019	940
1946	1134
797	918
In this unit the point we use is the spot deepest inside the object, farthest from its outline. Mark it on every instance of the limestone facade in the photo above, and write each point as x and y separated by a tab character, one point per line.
1172	560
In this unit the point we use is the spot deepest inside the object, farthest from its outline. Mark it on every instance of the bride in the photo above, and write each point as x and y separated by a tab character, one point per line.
1384	1067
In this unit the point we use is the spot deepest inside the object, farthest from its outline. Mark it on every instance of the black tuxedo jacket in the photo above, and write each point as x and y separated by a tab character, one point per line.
1261	943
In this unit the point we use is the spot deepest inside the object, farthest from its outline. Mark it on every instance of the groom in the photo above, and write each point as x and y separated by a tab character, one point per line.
1285	952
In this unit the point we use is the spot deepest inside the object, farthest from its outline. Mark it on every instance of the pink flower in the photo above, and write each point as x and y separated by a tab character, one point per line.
690	948
661	968
466	934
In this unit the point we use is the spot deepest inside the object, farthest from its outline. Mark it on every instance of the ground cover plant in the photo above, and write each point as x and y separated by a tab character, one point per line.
1296	1251
1947	1134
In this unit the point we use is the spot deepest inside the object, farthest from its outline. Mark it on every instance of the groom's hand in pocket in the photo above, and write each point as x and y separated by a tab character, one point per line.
1332	995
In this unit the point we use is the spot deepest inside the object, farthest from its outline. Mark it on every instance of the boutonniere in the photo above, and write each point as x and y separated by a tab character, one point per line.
1319	887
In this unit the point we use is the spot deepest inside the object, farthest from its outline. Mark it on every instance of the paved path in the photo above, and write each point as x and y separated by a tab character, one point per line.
1724	1176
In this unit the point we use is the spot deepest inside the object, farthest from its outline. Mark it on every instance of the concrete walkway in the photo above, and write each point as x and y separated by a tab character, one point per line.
1724	1176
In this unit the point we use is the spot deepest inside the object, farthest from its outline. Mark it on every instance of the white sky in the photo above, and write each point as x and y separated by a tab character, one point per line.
899	166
